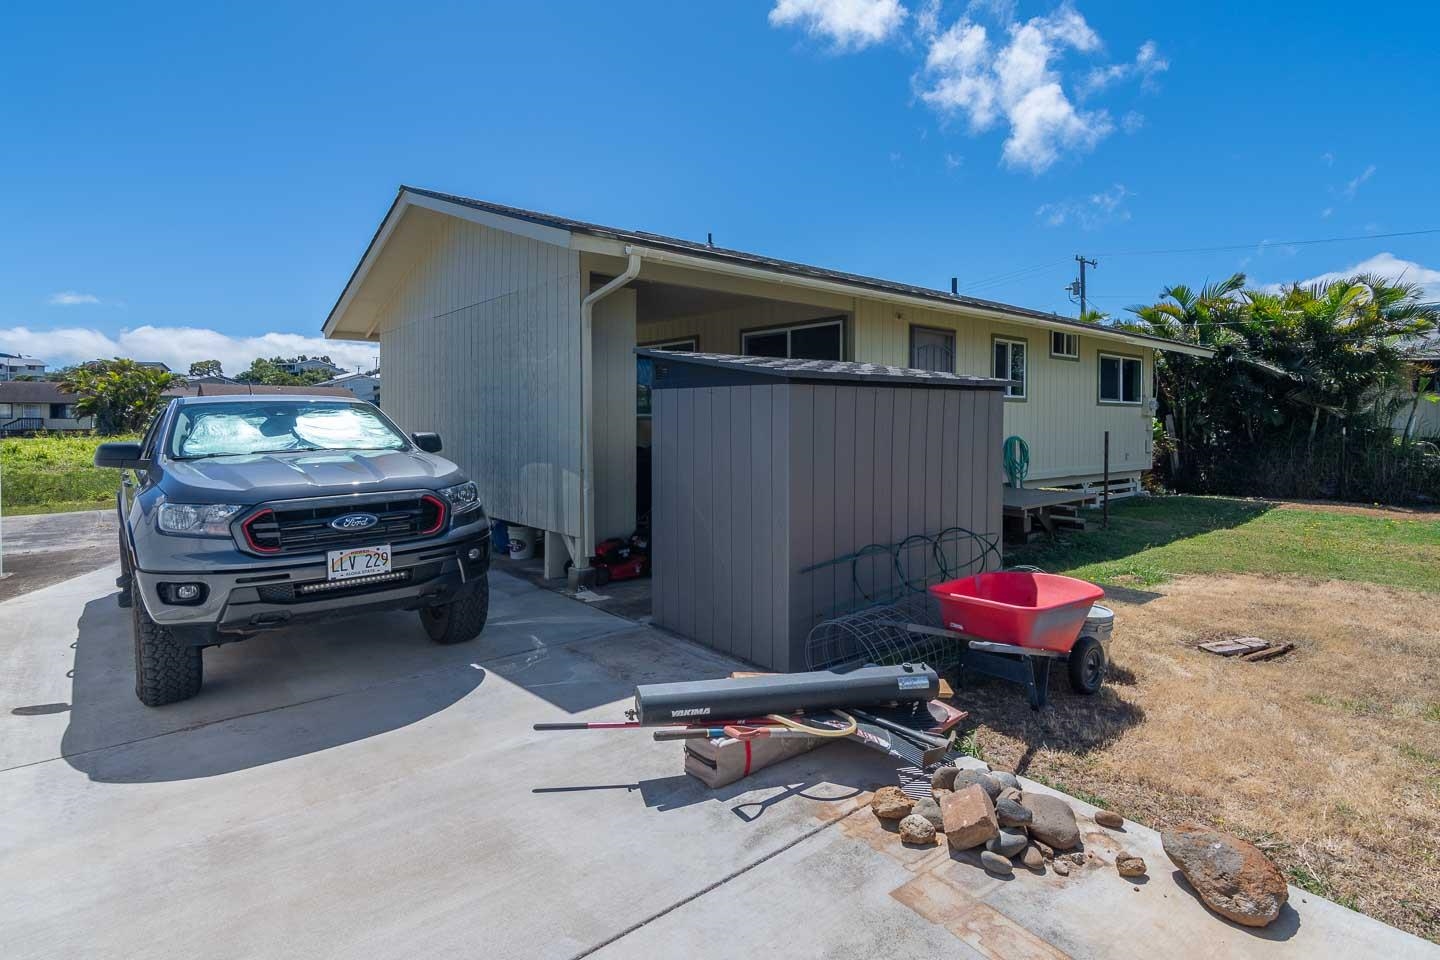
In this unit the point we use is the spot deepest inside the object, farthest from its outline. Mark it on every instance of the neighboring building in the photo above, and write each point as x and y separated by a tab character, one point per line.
311	364
366	386
206	389
153	365
31	407
512	334
14	365
210	378
1422	395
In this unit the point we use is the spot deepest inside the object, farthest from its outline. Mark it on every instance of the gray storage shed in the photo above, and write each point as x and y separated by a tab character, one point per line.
763	467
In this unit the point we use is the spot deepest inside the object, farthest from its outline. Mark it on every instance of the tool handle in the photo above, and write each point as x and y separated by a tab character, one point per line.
619	725
690	733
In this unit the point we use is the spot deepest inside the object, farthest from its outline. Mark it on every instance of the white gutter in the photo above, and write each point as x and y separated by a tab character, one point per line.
587	401
853	290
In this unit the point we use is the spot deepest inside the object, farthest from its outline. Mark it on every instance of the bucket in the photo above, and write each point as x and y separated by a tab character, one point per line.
1099	623
500	536
522	542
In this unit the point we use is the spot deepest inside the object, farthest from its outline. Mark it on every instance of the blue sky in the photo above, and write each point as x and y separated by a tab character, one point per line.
188	181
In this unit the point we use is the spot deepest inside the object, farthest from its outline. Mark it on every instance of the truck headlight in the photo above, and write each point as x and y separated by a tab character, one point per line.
463	497
197	519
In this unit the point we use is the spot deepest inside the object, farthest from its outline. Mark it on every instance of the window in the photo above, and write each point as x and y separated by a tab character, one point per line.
61	411
6	410
35	411
1120	379
687	345
1010	365
280	426
932	349
822	340
1064	345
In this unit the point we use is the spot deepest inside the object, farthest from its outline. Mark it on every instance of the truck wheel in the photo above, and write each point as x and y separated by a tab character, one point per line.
166	671
126	583
462	618
1087	666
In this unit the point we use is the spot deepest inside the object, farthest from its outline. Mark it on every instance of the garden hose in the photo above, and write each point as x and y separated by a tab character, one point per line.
846	731
1017	460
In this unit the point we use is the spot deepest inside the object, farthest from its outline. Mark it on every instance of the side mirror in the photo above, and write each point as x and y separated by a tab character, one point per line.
121	456
429	442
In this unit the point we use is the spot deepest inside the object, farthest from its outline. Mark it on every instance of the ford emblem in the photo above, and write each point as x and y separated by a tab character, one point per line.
355	521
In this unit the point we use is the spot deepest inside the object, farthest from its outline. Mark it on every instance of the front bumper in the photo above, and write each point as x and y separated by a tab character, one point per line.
244	601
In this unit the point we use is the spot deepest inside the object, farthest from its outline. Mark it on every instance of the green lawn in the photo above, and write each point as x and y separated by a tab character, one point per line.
1153	538
51	474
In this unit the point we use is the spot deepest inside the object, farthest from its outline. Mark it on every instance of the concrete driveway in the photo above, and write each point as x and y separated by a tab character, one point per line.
354	790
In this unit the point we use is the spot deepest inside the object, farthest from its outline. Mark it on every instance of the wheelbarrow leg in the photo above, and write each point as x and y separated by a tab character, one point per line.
1039	682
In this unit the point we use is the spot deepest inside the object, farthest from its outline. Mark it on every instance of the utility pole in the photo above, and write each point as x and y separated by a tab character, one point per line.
1077	289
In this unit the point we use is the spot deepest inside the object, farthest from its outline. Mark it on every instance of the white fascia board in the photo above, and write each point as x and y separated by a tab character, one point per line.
615	248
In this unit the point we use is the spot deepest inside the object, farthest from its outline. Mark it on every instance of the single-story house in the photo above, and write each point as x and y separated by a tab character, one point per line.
366	386
31	406
513	334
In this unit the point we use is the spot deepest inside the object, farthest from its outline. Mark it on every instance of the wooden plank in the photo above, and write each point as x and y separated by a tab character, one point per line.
1228	648
1269	653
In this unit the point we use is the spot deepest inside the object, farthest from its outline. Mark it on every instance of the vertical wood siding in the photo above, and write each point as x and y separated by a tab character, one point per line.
481	342
613	414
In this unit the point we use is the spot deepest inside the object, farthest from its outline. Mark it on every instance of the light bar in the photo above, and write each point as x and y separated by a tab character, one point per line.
328	585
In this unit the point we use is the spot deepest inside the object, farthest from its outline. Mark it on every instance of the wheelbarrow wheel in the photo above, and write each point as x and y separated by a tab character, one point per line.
1087	666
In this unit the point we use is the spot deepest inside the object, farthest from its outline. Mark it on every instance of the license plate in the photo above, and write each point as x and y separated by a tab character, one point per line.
357	562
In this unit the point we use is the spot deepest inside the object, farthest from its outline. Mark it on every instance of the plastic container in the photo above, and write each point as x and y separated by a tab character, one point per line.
1042	610
1100	624
500	536
522	542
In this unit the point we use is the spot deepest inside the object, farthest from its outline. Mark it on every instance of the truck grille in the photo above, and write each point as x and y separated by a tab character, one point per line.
306	529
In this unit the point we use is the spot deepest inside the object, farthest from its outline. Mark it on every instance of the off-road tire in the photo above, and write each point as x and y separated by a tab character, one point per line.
1087	666
126	583
462	618
166	671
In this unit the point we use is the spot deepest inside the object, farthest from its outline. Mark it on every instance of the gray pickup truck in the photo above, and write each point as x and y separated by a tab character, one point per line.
245	513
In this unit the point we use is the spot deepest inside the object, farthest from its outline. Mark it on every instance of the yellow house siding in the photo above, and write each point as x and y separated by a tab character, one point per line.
481	342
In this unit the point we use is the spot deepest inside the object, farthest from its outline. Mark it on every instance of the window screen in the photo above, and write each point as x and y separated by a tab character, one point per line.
1010	365
1120	379
824	340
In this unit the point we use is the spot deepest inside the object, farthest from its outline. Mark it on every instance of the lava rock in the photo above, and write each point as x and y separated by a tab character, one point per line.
890	804
1006	778
1046	851
1007	842
1231	876
1052	821
996	863
928	808
1108	818
989	784
1033	858
1129	865
916	829
968	817
1061	867
1077	858
1012	814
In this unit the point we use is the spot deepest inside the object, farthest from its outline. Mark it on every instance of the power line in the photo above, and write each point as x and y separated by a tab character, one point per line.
1270	243
1011	275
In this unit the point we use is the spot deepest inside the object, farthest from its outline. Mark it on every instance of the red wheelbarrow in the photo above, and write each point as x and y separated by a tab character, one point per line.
1012	623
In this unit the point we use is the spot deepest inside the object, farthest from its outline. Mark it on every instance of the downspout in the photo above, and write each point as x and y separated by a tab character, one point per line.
587	400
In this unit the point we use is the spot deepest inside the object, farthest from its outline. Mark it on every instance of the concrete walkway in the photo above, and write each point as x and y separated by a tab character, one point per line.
354	790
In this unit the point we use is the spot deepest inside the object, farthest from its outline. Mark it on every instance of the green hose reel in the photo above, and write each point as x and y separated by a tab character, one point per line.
1017	460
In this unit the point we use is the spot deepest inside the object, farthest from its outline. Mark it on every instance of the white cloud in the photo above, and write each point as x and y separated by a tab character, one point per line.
1353	186
1325	214
179	346
1390	267
1132	121
71	298
1091	212
1146	65
953	161
1328	158
966	75
848	24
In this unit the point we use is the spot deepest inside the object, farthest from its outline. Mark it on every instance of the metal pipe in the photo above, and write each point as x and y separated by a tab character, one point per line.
587	399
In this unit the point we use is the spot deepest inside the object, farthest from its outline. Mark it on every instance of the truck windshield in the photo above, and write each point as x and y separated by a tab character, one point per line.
239	429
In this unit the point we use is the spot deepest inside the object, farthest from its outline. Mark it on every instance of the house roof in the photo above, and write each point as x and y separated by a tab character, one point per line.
733	369
349	376
249	390
772	265
33	391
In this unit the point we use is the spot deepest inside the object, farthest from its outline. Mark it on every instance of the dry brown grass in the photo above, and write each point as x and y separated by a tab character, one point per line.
1328	758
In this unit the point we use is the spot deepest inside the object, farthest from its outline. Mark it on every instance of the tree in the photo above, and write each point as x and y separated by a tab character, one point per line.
120	394
206	368
272	372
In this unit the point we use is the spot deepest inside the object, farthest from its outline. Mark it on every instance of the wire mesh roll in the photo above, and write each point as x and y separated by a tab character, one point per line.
878	635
